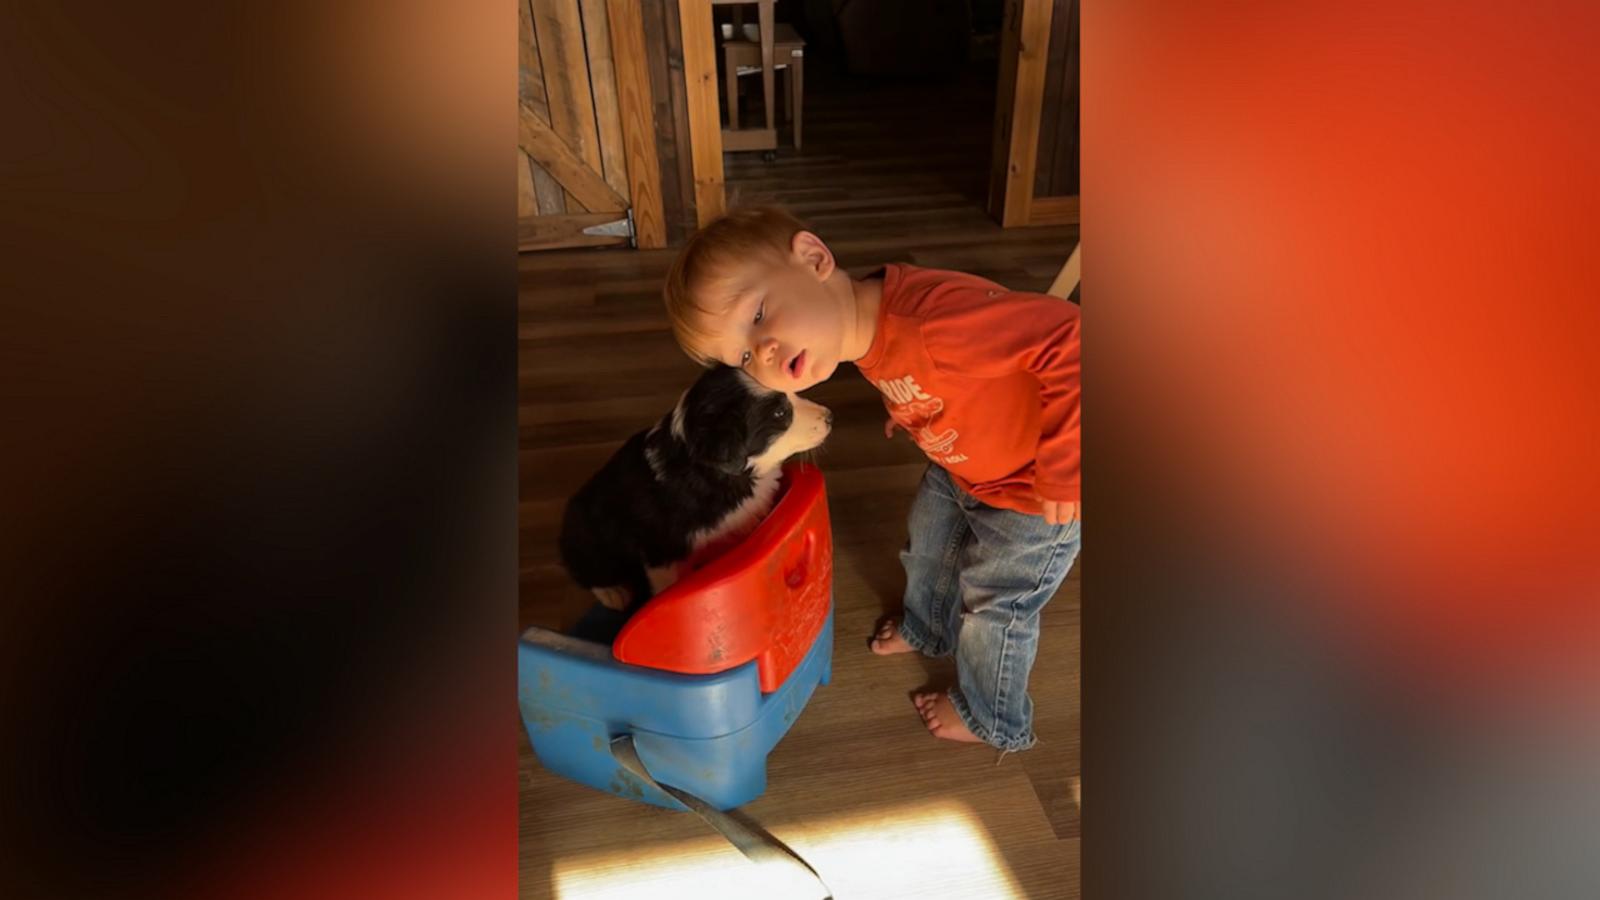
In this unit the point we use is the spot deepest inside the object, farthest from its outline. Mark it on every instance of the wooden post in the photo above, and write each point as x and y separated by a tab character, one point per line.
705	125
1024	57
638	122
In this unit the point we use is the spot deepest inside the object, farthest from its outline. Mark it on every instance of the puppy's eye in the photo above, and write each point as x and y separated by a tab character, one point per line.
761	312
780	413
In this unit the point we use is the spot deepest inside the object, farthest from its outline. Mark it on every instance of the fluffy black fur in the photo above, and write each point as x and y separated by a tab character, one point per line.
630	515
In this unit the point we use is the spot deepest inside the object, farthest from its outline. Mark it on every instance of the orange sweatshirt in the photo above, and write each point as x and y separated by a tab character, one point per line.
984	379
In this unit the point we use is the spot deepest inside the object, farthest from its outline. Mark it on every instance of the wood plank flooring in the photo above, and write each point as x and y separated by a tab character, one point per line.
891	173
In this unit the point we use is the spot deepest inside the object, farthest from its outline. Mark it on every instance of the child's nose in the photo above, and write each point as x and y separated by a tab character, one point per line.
768	351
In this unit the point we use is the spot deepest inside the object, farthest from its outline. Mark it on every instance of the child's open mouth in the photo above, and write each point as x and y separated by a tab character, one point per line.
797	365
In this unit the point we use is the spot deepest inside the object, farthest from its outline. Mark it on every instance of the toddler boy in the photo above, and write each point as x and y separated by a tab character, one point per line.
984	379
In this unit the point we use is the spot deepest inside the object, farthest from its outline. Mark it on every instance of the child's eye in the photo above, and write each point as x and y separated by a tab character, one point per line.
744	358
761	312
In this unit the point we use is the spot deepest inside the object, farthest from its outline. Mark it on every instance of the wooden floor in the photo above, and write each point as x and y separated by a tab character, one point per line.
880	808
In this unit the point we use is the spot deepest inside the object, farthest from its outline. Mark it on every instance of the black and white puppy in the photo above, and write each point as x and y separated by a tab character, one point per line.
707	472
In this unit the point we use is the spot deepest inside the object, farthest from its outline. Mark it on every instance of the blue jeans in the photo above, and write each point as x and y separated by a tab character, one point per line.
976	579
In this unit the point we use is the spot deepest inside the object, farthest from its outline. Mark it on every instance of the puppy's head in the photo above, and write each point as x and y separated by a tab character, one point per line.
727	419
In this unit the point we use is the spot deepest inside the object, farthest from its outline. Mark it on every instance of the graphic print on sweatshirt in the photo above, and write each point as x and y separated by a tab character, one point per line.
914	410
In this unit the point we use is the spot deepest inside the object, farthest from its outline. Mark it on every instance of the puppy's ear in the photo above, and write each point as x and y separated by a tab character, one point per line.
724	449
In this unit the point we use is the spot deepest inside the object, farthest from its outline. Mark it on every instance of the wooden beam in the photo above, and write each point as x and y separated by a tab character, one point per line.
1053	211
638	122
705	121
556	232
1024	57
527	194
539	141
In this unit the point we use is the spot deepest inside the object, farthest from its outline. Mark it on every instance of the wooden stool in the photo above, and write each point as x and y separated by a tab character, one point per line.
788	54
734	138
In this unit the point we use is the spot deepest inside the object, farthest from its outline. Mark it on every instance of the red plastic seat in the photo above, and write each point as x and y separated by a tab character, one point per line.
763	599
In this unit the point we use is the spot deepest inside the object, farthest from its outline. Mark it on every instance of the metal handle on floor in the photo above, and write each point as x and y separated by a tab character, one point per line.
755	843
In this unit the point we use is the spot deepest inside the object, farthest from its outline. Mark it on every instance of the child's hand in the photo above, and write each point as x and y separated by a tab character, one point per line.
889	427
1058	513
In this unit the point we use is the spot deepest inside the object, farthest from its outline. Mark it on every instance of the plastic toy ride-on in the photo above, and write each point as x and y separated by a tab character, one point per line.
706	677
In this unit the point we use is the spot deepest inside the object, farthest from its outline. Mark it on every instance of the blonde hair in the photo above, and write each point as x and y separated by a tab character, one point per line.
714	251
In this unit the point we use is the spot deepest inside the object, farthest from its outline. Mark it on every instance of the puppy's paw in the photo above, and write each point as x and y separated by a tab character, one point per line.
616	598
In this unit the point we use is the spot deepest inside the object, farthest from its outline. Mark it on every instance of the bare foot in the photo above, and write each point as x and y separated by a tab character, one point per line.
887	640
939	714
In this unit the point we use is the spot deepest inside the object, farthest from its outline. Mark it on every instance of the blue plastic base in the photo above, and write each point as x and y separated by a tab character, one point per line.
705	734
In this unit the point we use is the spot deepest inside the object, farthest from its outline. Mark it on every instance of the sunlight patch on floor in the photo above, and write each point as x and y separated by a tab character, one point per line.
929	850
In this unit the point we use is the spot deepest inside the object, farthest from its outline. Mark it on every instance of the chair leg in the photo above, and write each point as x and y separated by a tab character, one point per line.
733	92
1071	273
787	103
797	81
769	75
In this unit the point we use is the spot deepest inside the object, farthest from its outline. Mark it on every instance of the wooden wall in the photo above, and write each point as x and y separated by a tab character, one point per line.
1056	171
538	193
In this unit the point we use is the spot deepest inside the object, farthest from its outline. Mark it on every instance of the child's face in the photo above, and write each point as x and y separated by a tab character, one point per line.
783	325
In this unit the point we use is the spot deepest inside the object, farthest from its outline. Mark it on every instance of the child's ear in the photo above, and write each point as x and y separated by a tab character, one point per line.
810	250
